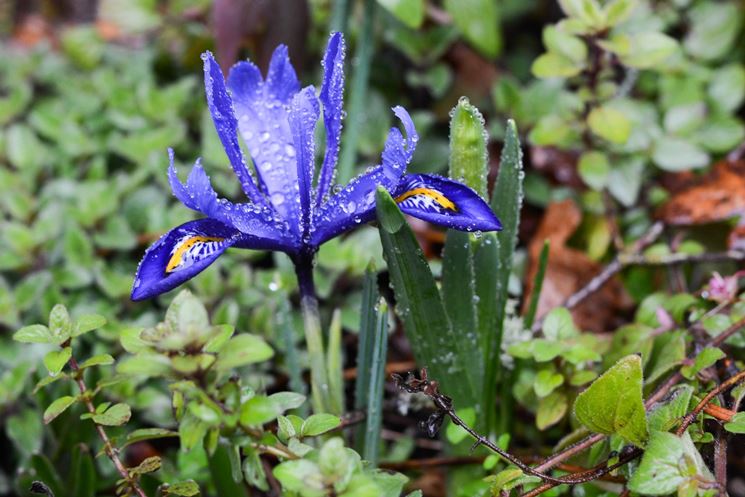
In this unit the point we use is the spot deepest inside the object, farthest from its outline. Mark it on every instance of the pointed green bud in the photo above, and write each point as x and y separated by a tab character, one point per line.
469	160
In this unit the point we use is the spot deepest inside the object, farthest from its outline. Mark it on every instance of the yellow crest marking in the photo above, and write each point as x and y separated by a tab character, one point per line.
178	255
438	197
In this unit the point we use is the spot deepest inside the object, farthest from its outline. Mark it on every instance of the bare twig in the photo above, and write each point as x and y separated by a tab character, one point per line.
109	448
445	407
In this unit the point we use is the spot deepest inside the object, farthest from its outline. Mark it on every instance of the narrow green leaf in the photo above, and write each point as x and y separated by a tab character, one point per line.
537	284
468	153
83	472
365	350
374	418
459	299
58	407
418	302
334	366
506	202
613	403
292	361
485	271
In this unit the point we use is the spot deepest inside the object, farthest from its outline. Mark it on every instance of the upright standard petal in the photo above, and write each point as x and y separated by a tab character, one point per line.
226	125
332	98
250	219
181	254
303	117
261	108
355	203
445	202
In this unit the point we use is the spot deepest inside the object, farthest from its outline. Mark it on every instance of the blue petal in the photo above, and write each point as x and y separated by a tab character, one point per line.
303	117
398	150
261	110
281	80
181	254
355	203
445	202
250	219
221	109
332	98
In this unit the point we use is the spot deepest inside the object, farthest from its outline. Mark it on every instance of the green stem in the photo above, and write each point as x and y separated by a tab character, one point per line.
319	380
339	15
358	94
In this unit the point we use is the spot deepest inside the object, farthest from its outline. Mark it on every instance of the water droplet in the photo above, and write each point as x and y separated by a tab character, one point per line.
264	137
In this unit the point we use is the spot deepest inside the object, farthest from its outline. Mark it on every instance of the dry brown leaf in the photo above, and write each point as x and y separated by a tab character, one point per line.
569	270
717	196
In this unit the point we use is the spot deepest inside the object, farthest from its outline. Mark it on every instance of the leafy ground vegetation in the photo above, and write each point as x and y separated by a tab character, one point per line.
595	346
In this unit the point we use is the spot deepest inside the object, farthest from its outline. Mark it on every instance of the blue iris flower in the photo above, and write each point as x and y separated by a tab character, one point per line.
292	206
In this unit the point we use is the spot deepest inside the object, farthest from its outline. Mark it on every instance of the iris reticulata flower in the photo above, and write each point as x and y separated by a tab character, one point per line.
292	206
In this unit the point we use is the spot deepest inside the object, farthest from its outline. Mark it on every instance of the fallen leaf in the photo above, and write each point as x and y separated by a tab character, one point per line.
717	196
569	270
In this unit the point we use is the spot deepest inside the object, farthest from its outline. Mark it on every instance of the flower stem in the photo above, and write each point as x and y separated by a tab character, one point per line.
319	381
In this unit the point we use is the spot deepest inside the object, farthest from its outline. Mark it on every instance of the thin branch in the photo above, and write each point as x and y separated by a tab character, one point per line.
689	418
109	448
445	407
435	462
